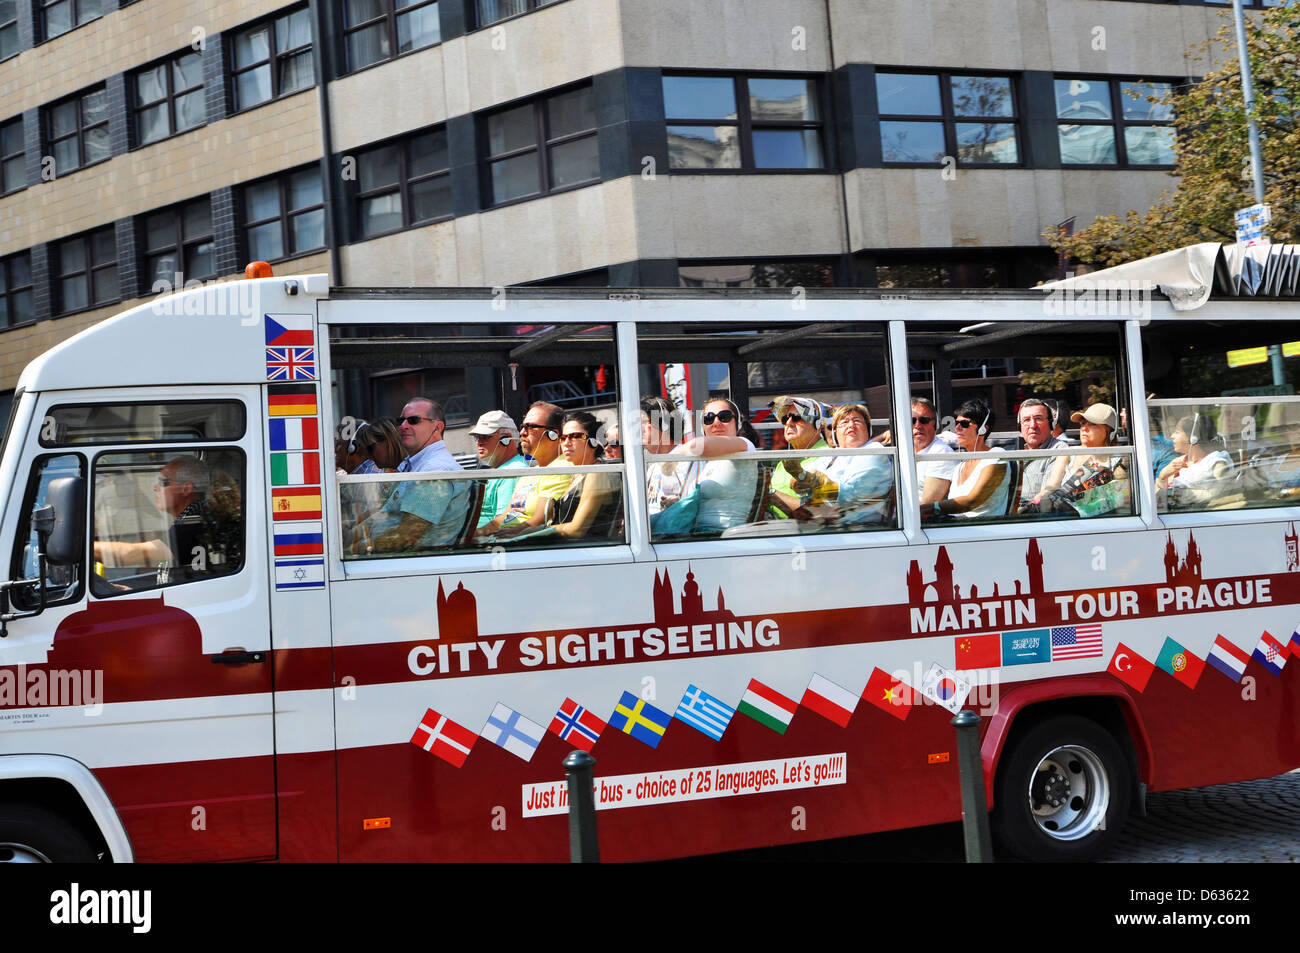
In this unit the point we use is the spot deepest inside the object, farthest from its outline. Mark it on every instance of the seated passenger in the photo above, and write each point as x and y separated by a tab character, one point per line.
418	514
666	482
592	502
979	487
1036	432
1089	484
530	506
859	486
802	421
723	495
934	476
496	441
379	447
1197	473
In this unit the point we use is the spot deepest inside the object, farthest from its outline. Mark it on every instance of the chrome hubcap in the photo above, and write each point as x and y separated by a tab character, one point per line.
1069	793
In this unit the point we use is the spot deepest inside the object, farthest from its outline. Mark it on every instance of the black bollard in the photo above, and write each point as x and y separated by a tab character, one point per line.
579	768
974	805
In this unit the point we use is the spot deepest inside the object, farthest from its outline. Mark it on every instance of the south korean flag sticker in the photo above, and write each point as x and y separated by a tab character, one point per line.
945	688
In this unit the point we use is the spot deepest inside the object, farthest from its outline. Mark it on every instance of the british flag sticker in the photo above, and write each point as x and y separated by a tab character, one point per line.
290	363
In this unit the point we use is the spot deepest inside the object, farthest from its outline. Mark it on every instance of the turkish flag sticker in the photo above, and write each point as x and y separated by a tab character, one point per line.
1130	668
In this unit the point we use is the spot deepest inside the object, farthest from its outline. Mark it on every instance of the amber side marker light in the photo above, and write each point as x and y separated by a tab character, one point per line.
376	823
939	757
258	269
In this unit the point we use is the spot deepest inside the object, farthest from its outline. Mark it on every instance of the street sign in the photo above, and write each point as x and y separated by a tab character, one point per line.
1251	223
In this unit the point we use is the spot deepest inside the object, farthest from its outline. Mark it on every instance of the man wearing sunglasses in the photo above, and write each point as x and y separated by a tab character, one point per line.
530	504
802	419
934	477
418	515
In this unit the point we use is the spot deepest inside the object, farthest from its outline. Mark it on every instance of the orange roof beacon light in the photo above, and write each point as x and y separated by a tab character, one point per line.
258	269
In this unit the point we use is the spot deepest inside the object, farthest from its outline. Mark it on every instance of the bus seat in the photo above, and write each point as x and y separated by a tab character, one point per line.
473	506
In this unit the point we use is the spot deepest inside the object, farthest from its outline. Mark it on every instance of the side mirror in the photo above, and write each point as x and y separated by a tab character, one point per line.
61	522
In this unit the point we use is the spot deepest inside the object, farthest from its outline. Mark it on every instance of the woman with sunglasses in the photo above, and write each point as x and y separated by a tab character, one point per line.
979	487
593	500
860	487
725	487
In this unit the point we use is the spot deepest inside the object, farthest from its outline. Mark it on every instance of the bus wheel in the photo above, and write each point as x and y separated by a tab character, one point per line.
1062	791
33	835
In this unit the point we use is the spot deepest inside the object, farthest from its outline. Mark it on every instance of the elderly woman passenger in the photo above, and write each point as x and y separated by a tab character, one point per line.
858	485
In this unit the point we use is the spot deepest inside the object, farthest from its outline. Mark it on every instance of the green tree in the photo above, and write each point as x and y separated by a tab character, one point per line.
1094	377
1212	151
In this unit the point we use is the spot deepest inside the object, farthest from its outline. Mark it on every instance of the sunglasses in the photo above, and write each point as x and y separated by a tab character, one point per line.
785	421
963	424
415	419
573	436
924	421
528	426
725	416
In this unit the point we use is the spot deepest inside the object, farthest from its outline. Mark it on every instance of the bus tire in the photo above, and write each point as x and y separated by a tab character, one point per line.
1062	792
33	835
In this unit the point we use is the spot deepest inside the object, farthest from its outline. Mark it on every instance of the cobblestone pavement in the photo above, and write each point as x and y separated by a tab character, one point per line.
1249	822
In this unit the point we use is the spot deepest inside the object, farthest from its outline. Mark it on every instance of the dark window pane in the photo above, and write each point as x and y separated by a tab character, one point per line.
908	94
1082	99
987	142
359	11
368	46
489	11
296	73
103	246
63	119
1150	145
197	221
699	97
512	178
72	293
252	46
105	285
570	112
573	162
418	29
160	230
510	130
253	87
20	271
15	174
703	147
161	269
72	257
262	201
20	307
429	153
982	96
66	157
912	141
11	138
265	242
382	213
293	31
1087	145
191	110
787	149
9	45
94	108
783	99
151	85
431	198
1134	103
198	261
305	189
378	168
308	230
154	123
58	19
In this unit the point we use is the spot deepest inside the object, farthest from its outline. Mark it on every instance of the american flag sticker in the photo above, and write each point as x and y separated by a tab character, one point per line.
1076	641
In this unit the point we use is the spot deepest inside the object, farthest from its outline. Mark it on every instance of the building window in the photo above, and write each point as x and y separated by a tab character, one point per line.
13	161
16	290
927	117
273	59
178	245
60	16
377	30
1114	123
85	271
9	45
490	11
726	122
169	97
774	273
284	216
543	146
77	131
404	183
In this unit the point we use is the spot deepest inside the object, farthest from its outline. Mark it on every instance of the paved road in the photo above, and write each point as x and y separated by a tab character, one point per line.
1248	822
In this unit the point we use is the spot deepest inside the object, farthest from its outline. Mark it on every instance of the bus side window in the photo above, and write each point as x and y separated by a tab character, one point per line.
65	581
165	517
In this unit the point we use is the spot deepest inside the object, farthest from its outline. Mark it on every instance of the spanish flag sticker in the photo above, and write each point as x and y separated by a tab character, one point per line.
295	503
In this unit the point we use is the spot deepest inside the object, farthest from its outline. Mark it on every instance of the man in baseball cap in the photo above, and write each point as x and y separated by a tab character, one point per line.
496	440
802	418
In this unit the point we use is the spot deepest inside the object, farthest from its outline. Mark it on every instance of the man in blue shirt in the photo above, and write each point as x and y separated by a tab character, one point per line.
419	514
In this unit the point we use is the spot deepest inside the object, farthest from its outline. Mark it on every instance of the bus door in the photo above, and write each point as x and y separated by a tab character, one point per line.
151	663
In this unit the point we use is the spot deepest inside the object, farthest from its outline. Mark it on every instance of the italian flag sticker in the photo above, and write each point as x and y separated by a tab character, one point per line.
295	469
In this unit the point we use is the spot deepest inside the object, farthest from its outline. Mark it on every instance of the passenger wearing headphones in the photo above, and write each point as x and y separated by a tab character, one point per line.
593	500
534	496
802	419
1199	465
496	441
979	487
666	482
1075	482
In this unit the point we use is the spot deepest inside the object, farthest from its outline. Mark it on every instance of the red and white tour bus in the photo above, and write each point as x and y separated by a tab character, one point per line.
217	648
